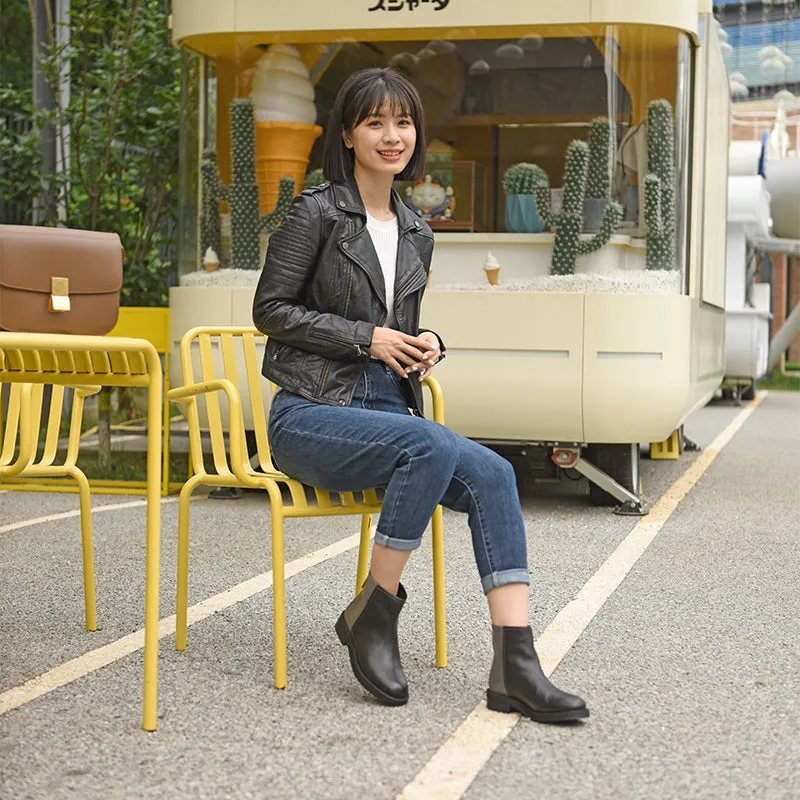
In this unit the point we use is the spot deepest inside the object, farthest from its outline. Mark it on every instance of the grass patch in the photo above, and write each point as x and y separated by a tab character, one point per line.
777	381
127	466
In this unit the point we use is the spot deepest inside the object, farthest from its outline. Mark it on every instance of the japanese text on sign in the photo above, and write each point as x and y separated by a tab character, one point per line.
399	5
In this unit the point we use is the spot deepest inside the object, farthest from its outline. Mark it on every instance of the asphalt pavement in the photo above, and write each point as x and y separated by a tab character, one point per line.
689	666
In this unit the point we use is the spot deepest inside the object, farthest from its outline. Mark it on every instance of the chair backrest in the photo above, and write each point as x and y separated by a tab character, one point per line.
232	354
21	427
231	357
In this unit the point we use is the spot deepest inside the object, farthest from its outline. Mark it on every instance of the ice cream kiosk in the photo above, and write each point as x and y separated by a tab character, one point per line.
575	184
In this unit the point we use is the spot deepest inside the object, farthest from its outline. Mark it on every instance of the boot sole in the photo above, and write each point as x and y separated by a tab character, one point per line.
507	705
382	697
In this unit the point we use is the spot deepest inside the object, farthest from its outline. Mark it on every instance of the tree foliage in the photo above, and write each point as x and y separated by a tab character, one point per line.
15	37
116	120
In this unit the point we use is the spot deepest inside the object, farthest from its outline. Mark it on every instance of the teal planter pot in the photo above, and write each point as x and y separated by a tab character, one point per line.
521	214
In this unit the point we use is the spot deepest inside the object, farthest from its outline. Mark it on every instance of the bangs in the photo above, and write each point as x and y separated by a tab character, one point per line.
365	93
379	96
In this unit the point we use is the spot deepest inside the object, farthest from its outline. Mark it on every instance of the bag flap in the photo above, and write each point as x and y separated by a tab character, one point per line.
31	256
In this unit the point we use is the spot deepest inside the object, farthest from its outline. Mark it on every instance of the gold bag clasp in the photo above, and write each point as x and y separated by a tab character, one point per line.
59	295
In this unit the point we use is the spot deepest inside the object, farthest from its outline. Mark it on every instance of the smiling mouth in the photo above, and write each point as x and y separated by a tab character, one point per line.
390	153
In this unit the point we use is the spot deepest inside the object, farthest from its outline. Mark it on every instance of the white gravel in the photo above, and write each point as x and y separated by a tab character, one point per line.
222	277
627	282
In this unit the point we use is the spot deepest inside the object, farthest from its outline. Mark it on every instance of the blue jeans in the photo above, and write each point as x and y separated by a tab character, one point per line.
377	443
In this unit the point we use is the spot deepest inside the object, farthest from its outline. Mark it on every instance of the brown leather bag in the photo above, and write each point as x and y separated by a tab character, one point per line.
58	280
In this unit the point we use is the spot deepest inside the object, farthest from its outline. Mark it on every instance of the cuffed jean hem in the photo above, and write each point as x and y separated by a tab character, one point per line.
495	579
396	544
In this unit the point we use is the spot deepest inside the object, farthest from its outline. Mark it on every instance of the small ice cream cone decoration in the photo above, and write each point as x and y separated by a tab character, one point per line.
492	269
211	260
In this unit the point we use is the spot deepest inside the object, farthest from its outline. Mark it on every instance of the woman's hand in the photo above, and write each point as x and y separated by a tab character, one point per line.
429	359
402	352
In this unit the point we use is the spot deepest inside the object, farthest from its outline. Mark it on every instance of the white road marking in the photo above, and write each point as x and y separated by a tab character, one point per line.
27	523
453	768
103	656
92	440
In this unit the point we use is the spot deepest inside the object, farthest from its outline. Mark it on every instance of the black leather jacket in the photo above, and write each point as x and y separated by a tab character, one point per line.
321	293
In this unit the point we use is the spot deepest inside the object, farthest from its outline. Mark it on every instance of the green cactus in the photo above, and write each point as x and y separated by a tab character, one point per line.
214	192
523	178
314	178
542	194
598	173
247	223
659	187
569	223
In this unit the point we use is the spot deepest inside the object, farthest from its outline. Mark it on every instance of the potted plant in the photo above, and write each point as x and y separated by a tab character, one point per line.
519	184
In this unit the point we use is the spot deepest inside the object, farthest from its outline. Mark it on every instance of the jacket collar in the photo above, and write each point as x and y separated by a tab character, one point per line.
347	198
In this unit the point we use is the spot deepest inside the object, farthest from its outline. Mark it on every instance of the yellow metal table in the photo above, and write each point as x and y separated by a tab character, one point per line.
63	360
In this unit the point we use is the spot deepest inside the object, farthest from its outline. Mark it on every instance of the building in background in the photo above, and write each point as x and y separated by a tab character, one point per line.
761	48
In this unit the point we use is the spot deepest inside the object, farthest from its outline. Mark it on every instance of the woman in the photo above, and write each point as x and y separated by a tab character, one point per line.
339	298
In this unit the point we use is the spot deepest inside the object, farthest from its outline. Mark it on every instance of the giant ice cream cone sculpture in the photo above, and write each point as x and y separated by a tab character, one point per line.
285	114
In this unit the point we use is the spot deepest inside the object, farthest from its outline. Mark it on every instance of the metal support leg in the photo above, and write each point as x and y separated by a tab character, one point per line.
630	504
690	446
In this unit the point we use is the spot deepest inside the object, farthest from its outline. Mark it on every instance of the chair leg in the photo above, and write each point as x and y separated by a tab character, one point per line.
182	597
363	551
166	432
88	550
278	596
439	613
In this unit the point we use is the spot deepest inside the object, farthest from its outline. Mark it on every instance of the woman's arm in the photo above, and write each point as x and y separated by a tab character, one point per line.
277	311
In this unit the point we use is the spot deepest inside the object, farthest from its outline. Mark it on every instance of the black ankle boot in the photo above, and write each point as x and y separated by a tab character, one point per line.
517	683
368	626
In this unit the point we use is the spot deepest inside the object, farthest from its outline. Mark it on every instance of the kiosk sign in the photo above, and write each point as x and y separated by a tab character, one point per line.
411	5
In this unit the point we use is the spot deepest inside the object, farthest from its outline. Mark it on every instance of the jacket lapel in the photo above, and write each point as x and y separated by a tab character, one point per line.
410	274
357	243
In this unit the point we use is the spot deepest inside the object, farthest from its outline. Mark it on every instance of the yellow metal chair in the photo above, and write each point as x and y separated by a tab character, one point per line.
151	325
94	361
229	357
18	457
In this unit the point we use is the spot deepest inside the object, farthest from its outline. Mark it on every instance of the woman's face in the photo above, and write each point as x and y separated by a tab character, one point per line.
383	143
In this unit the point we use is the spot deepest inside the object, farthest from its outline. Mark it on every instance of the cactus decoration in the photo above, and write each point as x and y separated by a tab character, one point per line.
542	194
598	172
314	178
569	223
659	187
523	178
210	234
247	223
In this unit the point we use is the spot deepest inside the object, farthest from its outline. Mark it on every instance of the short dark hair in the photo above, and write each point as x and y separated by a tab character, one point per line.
362	94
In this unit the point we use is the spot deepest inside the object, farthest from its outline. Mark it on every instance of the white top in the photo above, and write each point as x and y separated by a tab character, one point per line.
384	237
